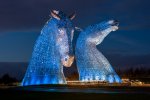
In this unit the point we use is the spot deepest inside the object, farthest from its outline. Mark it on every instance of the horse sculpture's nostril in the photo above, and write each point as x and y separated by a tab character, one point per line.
65	59
116	22
68	61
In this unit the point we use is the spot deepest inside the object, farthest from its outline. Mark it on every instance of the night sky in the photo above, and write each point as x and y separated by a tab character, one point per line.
22	20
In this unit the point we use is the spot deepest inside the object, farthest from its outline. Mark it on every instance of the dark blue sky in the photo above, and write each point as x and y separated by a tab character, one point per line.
22	20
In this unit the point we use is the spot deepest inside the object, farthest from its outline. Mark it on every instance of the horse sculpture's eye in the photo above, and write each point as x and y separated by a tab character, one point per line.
60	30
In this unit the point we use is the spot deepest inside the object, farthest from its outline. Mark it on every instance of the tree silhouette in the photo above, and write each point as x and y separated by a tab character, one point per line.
6	79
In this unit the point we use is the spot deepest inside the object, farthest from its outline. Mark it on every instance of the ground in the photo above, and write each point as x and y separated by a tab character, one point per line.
71	93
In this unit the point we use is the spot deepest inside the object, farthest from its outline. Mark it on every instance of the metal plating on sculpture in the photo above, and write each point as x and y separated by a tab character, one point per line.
52	51
91	63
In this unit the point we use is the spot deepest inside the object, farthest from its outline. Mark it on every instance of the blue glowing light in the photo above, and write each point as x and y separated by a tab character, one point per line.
91	63
52	50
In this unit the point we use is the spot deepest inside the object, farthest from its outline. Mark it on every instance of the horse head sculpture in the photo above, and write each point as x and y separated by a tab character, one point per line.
65	36
52	51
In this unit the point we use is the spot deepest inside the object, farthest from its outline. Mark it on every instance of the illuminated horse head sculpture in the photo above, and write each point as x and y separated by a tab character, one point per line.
91	63
52	51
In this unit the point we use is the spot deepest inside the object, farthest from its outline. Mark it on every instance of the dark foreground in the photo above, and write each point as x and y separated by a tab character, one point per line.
78	93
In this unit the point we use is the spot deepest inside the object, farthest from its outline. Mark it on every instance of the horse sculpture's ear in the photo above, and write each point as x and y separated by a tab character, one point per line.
72	16
55	13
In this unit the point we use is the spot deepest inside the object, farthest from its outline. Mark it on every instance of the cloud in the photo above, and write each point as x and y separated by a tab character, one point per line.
21	14
30	16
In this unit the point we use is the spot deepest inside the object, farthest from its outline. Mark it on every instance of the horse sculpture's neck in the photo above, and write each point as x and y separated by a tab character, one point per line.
88	40
45	66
